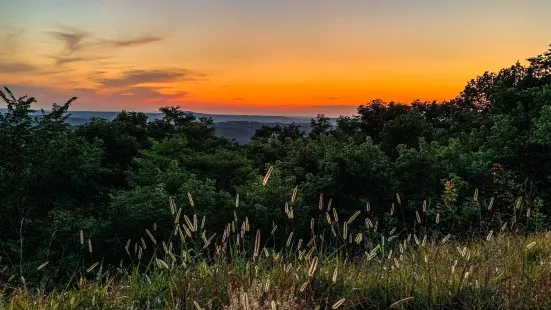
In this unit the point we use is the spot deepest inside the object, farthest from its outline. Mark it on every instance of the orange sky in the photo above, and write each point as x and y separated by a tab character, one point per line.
258	56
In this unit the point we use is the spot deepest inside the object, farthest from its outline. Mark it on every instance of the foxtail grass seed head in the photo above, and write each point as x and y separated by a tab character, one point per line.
188	222
475	198
191	203
437	217
127	246
345	230
289	239
335	216
353	217
398	199
368	207
151	236
312	224
195	222
203	222
321	202
294	195
491	204
81	237
172	205
303	286
162	264
89	246
299	244
42	266
359	238
424	206
392	231
177	219
287	208
528	212
328	218
335	274
446	238
338	303
368	223
267	176
143	244
257	243
197	306
518	203
329	204
92	267
313	266
400	302
237	201
418	217
186	229
530	245
489	236
392	210
273	229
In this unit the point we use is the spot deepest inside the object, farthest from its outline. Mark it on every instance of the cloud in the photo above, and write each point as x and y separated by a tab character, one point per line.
72	38
84	46
236	99
61	60
136	77
76	40
7	66
132	42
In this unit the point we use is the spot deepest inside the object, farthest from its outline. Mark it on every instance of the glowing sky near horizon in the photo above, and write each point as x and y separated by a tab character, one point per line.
284	57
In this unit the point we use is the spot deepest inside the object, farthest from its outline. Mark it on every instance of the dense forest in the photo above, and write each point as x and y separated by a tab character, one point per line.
473	164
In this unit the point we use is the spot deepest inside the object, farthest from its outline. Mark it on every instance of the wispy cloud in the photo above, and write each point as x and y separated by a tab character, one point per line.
132	42
61	60
80	45
7	66
137	77
72	38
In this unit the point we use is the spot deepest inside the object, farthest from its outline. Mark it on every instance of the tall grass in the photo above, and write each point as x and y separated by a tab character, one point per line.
347	266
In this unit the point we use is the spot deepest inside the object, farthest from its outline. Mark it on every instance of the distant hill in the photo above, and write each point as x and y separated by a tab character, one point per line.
238	127
242	131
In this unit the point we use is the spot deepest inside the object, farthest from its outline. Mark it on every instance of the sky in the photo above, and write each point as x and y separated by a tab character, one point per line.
284	57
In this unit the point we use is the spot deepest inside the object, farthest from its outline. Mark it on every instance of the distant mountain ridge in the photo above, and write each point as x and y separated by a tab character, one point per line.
110	115
238	127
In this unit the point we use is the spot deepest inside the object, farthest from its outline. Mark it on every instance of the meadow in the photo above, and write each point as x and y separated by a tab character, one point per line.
343	268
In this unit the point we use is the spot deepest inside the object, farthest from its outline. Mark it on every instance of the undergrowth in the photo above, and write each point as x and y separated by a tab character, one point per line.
350	265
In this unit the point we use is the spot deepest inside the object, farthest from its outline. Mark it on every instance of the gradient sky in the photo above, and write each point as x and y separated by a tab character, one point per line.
284	57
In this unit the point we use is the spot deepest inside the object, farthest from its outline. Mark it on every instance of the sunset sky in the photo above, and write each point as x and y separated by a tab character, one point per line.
274	57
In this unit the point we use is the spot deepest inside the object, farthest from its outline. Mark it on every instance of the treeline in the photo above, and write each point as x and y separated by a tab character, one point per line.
474	163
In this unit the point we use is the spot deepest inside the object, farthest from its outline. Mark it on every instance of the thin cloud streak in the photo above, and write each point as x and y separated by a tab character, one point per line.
136	77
